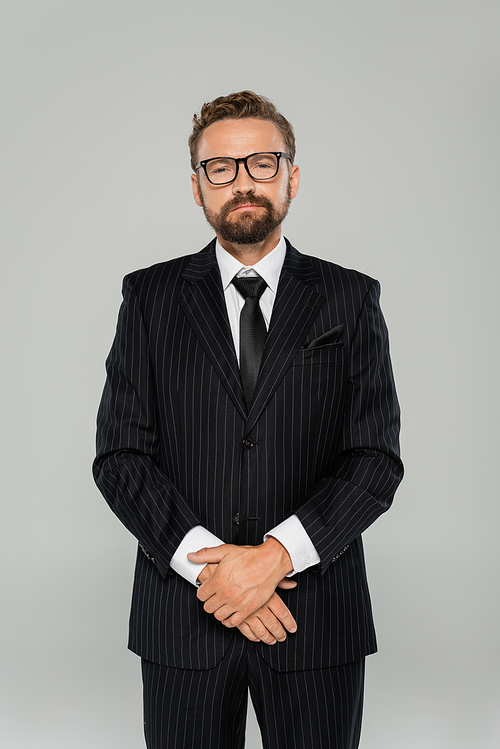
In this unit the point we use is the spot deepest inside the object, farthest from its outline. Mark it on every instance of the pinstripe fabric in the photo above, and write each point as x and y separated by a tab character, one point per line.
318	709
324	428
184	709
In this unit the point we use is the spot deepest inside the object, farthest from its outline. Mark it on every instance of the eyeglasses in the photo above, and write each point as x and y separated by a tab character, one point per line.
260	166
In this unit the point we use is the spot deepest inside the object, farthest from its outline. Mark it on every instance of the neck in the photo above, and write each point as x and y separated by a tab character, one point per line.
249	254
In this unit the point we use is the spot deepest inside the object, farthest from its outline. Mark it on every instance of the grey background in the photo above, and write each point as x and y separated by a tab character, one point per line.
396	111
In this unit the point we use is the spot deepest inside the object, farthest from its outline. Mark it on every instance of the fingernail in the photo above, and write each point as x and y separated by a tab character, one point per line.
294	629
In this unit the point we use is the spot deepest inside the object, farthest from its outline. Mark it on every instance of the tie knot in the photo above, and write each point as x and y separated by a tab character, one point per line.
252	287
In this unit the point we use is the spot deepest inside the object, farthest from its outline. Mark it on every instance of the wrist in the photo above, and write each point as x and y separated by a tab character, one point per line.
283	560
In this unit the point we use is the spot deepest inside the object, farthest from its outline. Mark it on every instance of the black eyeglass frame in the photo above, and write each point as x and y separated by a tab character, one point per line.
279	155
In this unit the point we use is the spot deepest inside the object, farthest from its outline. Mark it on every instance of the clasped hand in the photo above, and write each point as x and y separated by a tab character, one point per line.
239	588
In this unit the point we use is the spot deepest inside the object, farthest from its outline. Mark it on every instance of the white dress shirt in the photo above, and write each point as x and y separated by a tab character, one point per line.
290	533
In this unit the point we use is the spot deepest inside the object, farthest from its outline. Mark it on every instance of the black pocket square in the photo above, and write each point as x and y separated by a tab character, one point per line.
330	338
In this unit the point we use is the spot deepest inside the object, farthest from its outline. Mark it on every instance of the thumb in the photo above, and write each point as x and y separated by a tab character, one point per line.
287	584
210	554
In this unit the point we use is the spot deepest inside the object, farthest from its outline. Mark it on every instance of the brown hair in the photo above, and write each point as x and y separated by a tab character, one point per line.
234	107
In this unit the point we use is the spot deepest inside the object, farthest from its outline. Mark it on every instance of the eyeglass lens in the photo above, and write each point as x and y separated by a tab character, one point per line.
260	166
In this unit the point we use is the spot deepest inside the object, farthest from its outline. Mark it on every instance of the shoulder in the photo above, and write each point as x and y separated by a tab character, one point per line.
347	277
167	275
333	278
161	274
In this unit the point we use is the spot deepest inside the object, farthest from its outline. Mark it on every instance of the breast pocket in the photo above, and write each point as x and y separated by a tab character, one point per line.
317	377
326	355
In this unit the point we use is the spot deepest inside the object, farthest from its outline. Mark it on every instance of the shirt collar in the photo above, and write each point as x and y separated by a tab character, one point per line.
269	268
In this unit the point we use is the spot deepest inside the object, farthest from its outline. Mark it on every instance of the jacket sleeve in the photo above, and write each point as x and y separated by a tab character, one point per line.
367	469
126	466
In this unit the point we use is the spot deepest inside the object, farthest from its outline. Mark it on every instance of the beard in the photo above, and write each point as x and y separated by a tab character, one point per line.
246	228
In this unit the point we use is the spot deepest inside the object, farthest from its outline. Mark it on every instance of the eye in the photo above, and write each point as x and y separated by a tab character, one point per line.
220	167
263	165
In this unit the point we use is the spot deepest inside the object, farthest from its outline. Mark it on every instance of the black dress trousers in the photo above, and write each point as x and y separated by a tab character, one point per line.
315	709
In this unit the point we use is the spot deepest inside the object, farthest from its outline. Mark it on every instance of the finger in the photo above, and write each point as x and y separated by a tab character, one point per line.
207	572
287	584
282	613
260	631
212	554
212	606
245	630
217	593
224	613
271	624
232	604
234	619
214	586
205	592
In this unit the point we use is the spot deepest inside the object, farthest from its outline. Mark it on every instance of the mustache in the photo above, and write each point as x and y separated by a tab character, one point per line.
259	200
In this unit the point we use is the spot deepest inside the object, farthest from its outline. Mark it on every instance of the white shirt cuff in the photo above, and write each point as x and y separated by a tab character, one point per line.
294	537
194	540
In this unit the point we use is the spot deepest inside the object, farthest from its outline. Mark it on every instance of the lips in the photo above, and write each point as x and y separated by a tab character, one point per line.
245	206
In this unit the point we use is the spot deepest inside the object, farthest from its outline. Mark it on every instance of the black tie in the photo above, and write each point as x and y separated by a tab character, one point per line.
252	332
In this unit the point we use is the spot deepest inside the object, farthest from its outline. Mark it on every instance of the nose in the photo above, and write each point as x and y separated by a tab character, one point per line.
243	184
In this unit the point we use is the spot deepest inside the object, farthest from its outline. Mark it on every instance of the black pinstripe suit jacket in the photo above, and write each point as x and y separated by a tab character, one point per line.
176	447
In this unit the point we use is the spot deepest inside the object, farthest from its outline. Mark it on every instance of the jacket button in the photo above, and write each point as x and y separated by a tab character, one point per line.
236	518
247	444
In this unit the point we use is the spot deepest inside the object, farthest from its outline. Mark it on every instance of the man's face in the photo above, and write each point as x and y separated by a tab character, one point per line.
245	212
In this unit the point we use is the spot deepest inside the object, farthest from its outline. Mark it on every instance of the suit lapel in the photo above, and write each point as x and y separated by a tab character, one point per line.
205	308
296	307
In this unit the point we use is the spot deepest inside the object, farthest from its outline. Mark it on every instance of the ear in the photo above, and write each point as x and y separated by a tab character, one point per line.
294	181
196	190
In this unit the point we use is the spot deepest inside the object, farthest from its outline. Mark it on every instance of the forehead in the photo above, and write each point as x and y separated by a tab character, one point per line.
239	138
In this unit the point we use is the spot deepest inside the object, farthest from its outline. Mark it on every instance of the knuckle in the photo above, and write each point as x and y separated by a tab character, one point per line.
285	614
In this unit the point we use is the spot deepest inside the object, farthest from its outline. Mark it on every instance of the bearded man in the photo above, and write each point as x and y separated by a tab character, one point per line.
247	436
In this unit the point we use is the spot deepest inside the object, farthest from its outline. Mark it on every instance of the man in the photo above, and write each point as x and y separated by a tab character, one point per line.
249	396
